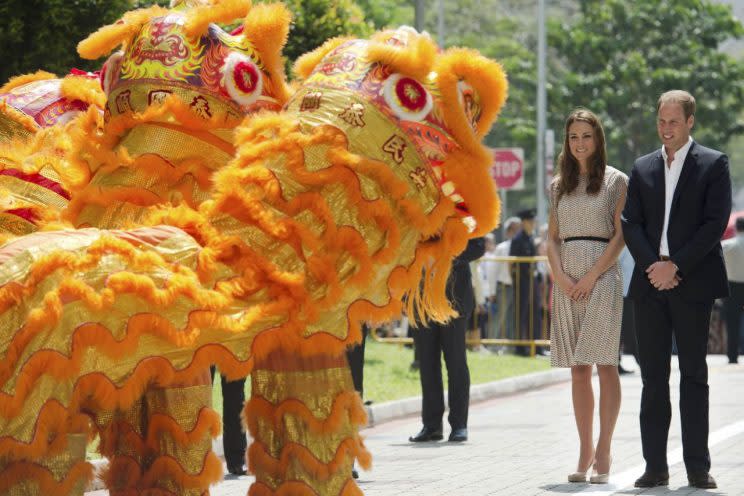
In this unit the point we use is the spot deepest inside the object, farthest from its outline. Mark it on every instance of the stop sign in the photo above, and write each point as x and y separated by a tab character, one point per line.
508	168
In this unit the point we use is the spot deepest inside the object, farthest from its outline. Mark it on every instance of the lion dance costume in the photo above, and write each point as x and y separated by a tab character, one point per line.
215	219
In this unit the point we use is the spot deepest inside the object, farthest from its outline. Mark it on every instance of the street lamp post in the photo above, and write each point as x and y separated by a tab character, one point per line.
419	15
541	113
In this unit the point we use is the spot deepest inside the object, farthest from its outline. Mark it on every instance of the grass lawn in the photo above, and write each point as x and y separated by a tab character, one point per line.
388	376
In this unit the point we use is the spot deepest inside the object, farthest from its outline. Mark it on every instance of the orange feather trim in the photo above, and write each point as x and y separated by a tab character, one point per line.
198	18
20	472
18	117
121	432
50	433
468	167
346	405
305	65
166	467
122	475
297	488
84	89
107	38
18	81
413	60
267	27
96	391
260	461
207	423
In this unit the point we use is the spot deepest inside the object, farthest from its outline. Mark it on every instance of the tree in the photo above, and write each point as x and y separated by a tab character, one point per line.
618	56
315	21
43	34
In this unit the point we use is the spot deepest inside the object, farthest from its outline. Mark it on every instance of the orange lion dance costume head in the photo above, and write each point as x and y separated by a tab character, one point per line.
329	213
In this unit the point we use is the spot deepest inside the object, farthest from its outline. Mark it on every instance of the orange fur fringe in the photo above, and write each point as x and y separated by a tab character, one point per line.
20	472
107	38
200	17
18	81
297	488
260	460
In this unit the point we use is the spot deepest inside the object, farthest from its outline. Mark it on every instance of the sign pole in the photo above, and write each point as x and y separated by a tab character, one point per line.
504	207
541	113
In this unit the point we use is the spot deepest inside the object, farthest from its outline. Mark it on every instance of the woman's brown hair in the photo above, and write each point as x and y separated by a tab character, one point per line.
568	166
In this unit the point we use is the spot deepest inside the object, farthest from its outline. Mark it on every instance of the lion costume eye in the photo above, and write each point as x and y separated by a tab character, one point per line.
242	79
109	70
408	98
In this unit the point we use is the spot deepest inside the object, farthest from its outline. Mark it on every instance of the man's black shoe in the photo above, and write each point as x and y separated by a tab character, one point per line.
623	371
458	435
237	469
701	480
652	479
427	434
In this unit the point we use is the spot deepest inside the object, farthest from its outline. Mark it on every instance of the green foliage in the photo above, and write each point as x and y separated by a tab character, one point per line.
43	34
315	21
381	14
618	56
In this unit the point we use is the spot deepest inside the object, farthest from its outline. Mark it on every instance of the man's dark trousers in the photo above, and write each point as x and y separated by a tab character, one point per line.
233	438
355	357
430	343
734	307
659	315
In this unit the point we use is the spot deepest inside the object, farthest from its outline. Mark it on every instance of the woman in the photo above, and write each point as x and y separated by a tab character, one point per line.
584	241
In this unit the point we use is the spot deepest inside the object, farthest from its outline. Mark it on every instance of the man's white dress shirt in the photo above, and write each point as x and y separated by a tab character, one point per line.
671	178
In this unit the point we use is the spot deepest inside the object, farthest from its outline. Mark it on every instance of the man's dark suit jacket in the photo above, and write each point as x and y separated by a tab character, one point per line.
460	282
700	211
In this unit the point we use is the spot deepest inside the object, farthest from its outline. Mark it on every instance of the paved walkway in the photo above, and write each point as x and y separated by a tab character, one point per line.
525	444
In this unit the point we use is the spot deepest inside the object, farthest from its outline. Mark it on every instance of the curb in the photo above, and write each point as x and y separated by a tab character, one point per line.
392	410
406	407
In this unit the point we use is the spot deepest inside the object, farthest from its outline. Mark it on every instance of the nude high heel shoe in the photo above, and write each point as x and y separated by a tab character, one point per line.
580	476
601	478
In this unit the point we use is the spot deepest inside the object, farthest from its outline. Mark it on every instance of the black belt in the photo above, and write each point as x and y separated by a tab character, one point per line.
586	238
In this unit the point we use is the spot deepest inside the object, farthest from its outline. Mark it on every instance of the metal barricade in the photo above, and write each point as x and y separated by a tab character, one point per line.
516	314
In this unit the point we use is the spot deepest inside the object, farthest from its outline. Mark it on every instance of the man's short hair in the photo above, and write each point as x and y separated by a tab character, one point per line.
682	97
740	224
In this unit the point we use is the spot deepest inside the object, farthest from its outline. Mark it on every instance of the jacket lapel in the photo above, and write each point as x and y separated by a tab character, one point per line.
687	168
659	180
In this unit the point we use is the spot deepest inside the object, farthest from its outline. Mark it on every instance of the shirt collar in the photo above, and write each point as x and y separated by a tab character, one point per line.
680	154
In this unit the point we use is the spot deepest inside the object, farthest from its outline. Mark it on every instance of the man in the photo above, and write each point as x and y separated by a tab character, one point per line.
504	289
733	254
523	245
678	205
234	442
449	338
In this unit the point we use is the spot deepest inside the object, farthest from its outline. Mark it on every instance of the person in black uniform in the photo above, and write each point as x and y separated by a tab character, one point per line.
234	442
449	338
523	245
355	357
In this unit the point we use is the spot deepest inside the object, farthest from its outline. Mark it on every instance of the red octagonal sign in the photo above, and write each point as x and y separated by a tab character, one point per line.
508	168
